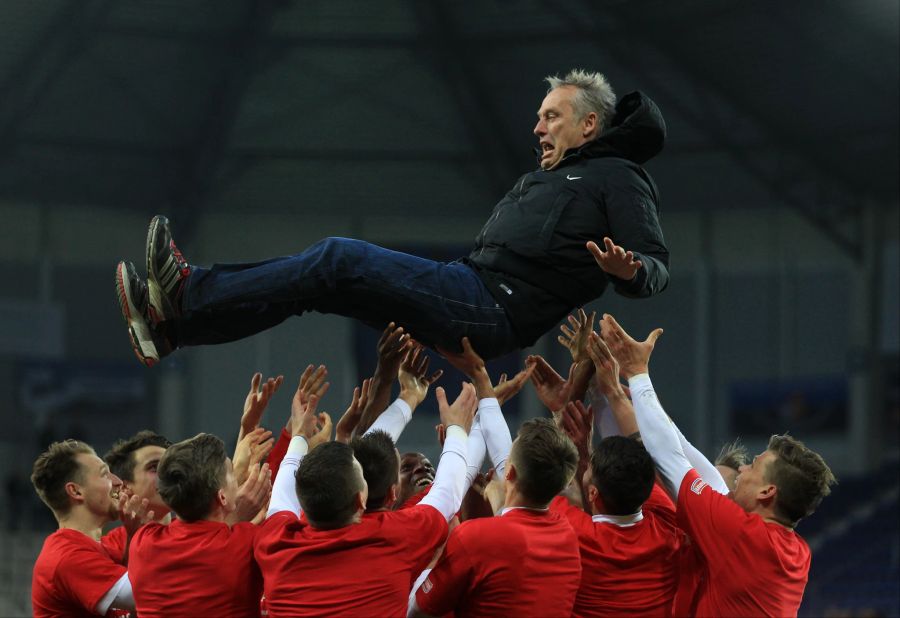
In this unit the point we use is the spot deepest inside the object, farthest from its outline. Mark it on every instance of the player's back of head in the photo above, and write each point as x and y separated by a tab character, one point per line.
545	460
380	463
56	467
623	473
328	481
190	474
801	475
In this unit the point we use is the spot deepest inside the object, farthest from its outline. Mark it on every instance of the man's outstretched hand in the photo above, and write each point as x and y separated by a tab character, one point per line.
462	411
615	260
633	356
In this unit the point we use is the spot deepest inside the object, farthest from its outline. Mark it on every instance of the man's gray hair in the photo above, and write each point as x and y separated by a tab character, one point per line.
594	94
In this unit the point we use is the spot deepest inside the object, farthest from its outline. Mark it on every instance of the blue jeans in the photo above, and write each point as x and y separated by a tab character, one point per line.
437	303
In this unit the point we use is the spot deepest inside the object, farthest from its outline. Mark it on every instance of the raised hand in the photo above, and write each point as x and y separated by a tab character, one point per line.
133	512
575	339
633	356
413	378
253	494
606	366
251	449
472	365
256	401
392	348
615	260
323	429
578	424
551	388
462	411
350	419
507	389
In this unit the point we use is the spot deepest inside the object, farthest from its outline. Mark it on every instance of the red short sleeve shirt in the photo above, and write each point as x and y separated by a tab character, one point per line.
753	567
363	569
200	568
524	563
628	569
71	575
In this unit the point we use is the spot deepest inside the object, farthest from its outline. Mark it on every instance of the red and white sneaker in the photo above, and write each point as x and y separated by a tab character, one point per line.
167	272
148	343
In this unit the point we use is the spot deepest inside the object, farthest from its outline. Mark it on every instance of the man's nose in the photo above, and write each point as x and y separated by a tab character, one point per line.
540	128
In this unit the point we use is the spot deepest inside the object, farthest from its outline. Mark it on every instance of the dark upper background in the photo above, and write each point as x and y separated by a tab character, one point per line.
211	105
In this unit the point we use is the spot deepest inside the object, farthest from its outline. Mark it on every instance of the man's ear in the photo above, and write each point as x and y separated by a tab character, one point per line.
221	499
73	490
510	475
359	503
593	496
589	124
392	495
767	494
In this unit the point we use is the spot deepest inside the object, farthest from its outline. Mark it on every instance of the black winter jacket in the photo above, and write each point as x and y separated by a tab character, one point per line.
531	253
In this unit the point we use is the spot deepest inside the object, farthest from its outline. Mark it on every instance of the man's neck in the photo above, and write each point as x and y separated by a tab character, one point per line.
516	500
85	522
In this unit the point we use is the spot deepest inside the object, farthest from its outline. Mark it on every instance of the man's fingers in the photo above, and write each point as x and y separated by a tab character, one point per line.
441	396
651	339
254	382
435	377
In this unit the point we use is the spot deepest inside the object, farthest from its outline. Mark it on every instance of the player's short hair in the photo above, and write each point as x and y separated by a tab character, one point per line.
327	484
623	472
801	476
545	460
733	455
190	474
120	458
54	468
376	453
594	94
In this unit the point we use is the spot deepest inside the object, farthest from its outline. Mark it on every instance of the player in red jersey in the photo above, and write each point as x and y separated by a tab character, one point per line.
201	563
526	561
335	561
754	563
134	460
74	575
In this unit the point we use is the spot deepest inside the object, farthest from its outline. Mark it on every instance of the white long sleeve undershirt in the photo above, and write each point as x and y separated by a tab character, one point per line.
284	488
119	596
477	450
704	467
496	433
659	434
393	420
446	491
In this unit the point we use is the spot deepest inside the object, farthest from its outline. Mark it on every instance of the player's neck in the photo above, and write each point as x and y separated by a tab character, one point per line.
83	521
515	499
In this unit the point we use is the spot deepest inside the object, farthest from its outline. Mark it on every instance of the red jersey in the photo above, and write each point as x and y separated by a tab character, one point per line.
200	568
523	563
363	569
752	567
414	499
114	543
629	566
691	579
72	573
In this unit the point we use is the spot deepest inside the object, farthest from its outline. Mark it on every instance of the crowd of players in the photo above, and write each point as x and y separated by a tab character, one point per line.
328	519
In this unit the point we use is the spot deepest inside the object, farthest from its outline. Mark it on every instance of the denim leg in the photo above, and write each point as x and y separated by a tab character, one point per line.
438	303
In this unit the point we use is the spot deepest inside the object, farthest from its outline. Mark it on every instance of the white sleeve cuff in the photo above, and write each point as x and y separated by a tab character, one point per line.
455	431
298	447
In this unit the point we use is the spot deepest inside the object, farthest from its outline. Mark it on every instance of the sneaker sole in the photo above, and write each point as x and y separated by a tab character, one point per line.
138	331
159	300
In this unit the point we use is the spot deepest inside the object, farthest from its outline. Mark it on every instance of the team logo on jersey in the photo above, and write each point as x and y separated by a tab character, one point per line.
427	586
698	485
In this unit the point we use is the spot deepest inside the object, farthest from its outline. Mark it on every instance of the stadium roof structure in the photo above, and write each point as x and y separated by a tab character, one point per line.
427	106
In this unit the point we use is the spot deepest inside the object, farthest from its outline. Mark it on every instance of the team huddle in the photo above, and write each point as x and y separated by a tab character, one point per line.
330	520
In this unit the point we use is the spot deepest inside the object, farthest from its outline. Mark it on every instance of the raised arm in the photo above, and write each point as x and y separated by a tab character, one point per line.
493	425
657	430
414	383
606	377
392	348
308	430
447	491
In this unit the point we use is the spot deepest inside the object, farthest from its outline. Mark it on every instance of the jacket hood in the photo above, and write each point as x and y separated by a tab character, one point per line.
637	131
